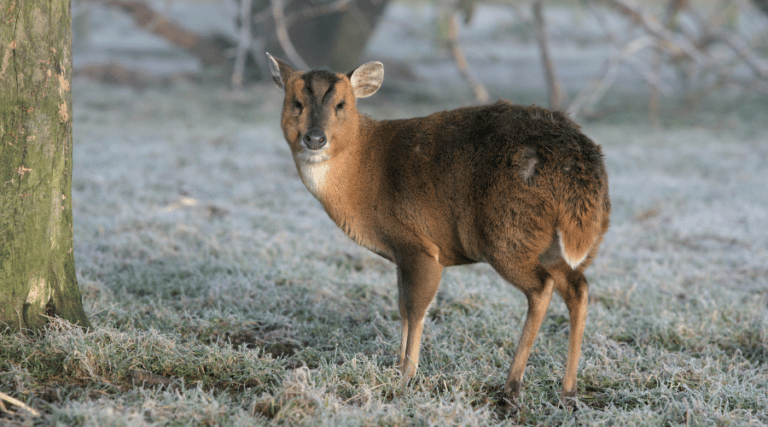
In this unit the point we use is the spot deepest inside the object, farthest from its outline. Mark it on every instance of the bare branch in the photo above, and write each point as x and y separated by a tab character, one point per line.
733	40
742	49
243	44
557	94
481	93
592	94
649	75
282	35
718	15
667	40
603	22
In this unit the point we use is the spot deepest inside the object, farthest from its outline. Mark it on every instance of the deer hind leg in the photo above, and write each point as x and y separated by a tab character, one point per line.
575	293
537	285
404	327
418	277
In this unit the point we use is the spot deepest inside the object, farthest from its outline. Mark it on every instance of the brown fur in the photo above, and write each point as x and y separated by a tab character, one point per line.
518	187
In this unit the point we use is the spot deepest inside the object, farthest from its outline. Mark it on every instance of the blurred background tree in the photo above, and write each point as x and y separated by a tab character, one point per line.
330	34
689	48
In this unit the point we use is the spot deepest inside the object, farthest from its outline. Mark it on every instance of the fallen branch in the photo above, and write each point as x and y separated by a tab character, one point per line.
19	403
206	51
115	74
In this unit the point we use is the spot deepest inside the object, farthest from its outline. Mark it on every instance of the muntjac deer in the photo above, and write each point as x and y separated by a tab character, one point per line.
520	188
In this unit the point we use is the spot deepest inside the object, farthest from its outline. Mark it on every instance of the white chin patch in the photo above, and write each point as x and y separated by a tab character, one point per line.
307	156
313	168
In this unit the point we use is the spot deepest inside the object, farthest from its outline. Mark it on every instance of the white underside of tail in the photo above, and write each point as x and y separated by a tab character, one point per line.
573	260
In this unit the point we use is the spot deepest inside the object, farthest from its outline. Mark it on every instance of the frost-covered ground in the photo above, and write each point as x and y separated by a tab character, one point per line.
192	230
202	257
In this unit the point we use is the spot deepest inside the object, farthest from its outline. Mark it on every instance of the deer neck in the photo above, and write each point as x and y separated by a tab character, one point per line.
334	180
346	182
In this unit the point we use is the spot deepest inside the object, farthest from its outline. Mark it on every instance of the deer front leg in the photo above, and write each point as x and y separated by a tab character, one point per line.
418	277
403	325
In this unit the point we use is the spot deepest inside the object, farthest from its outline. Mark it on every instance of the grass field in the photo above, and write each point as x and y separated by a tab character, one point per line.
204	261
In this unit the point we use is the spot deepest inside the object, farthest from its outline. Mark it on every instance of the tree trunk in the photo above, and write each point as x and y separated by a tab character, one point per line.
37	266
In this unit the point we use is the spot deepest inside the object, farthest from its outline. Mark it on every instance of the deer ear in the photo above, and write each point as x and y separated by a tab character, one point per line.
366	79
280	71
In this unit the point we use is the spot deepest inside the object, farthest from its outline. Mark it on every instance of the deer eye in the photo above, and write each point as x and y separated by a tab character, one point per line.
297	105
340	105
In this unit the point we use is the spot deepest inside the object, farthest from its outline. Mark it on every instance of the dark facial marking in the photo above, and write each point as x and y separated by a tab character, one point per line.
319	86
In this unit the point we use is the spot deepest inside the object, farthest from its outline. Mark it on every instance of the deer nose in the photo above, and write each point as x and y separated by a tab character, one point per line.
315	139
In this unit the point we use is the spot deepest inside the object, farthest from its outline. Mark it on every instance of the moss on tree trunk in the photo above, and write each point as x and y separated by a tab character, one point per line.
37	266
